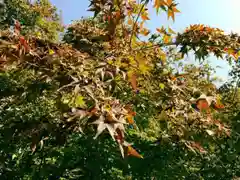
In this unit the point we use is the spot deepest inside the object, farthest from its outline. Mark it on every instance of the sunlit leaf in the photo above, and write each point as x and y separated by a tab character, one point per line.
145	17
145	32
166	39
161	85
210	132
161	30
80	101
130	21
171	31
132	152
171	12
158	4
51	52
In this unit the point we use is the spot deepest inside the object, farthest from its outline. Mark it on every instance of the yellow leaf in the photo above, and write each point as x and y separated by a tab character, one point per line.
161	85
230	51
51	52
162	56
171	31
107	107
134	41
80	102
38	34
130	73
132	61
110	61
143	67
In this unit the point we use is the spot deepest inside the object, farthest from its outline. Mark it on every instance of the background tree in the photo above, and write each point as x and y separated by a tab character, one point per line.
39	18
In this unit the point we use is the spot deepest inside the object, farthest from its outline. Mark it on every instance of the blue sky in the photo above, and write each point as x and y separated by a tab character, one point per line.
217	13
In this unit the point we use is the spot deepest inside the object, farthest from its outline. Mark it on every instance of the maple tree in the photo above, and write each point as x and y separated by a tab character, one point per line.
105	80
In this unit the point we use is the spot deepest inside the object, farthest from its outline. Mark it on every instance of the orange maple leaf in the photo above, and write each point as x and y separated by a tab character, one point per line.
118	14
161	30
201	27
130	22
159	3
132	152
145	32
169	2
130	119
166	39
172	11
145	17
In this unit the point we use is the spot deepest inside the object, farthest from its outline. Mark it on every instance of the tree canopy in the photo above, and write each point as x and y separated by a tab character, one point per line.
39	18
104	104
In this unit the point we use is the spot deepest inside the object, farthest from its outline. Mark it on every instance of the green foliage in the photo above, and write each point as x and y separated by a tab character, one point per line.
39	18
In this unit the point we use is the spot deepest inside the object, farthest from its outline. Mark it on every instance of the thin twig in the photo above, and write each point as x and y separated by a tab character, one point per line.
68	85
155	45
135	23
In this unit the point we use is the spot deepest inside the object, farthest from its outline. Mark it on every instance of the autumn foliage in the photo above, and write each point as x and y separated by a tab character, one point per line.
104	103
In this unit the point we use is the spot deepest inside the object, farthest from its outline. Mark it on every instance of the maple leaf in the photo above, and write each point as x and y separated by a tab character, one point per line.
130	119
200	27
171	31
166	39
102	126
159	3
132	152
130	21
169	2
133	79
171	12
38	35
144	16
80	101
51	52
202	103
161	30
145	32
